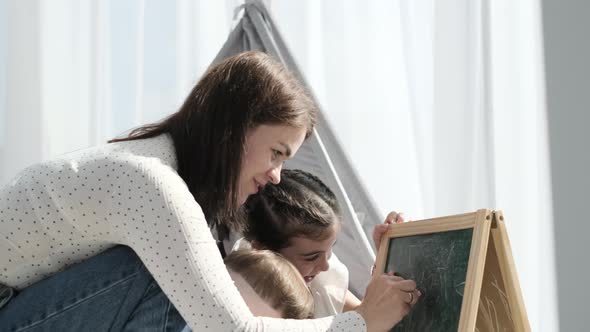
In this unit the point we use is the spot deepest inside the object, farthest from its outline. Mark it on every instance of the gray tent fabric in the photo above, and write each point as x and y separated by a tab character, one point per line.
321	154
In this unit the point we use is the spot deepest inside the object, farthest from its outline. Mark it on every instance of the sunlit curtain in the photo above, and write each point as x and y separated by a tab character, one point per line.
439	104
76	73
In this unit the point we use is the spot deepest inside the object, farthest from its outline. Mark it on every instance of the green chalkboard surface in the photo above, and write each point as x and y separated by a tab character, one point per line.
438	263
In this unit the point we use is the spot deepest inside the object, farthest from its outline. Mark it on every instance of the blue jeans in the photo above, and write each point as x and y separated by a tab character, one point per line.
112	291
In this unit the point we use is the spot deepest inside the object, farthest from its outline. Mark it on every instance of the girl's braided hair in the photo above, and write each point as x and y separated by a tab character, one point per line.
300	205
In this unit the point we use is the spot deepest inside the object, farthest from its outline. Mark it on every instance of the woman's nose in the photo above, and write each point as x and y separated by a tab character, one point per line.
325	265
275	174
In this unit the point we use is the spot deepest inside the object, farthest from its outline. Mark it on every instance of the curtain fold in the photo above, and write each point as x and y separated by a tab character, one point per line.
441	107
22	126
79	72
438	104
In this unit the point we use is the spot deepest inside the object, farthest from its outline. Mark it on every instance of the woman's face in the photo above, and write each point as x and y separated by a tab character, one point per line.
311	256
267	148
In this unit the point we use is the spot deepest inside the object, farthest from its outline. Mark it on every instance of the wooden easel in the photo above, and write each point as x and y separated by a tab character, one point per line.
491	299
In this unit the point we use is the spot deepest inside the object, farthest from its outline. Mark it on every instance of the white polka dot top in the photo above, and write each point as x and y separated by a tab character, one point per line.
60	212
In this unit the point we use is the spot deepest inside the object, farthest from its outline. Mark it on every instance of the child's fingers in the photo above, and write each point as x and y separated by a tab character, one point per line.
378	232
400	218
380	229
395	218
391	217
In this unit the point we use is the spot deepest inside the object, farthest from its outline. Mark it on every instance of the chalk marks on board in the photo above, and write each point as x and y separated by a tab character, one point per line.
438	263
464	268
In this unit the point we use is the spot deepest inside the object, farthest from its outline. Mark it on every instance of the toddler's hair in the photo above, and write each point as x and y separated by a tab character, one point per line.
275	280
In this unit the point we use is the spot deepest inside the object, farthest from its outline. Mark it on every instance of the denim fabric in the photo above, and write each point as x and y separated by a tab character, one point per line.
112	291
6	294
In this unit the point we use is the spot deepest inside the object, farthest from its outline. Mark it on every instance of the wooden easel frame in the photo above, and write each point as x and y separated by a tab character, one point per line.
503	251
487	226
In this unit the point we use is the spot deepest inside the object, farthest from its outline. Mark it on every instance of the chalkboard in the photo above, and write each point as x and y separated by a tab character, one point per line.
438	264
463	266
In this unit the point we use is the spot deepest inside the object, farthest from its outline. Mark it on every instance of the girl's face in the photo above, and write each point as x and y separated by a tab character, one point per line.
267	148
311	256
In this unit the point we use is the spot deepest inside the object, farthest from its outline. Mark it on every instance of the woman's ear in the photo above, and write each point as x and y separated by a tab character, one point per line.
257	245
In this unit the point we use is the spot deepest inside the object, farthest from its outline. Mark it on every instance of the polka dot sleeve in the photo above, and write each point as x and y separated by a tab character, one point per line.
153	212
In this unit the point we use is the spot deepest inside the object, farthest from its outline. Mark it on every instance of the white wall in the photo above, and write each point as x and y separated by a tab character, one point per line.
567	56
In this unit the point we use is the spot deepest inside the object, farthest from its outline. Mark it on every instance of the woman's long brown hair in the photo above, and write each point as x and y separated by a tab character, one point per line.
209	130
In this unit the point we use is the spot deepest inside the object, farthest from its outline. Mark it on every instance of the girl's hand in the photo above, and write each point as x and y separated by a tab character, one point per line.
379	230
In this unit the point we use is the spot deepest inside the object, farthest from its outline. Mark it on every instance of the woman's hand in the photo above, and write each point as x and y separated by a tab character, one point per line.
387	300
379	230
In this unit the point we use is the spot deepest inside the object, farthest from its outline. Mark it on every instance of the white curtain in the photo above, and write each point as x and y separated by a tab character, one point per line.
76	73
438	103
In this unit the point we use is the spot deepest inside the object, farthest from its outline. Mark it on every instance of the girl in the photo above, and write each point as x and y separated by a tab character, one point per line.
300	219
159	192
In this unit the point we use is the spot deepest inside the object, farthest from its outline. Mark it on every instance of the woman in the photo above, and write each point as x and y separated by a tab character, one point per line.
299	218
159	191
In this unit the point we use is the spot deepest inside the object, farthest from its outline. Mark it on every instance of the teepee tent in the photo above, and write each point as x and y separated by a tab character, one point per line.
321	155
